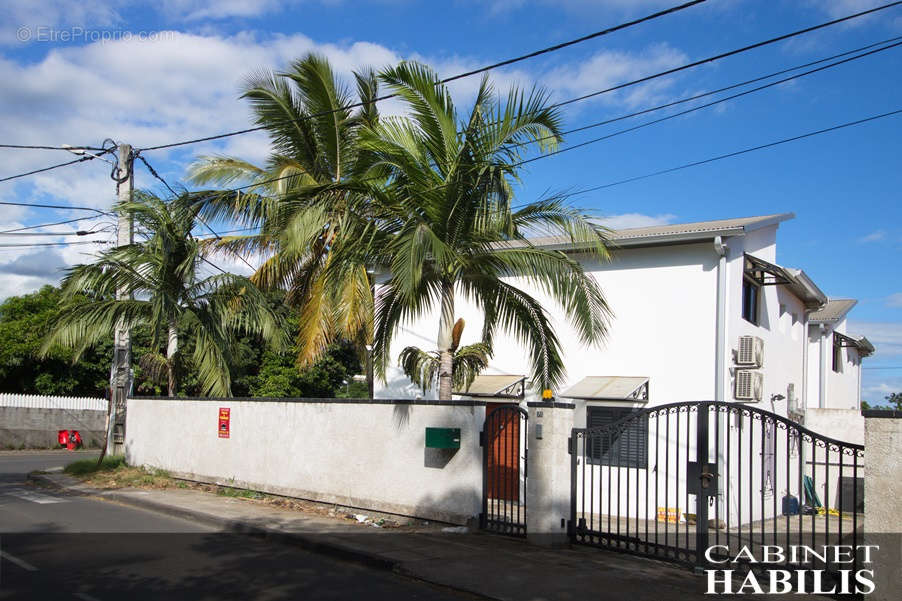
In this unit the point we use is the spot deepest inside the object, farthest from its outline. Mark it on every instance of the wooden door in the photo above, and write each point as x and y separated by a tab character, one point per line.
503	442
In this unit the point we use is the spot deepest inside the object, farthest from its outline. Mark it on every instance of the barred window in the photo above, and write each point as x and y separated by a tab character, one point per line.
623	446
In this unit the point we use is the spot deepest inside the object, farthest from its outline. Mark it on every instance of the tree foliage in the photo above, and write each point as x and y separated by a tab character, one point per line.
167	295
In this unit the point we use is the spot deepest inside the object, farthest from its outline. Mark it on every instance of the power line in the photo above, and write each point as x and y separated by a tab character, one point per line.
717	91
506	62
36	244
706	105
723	55
572	100
738	152
40	225
76	233
154	173
38	147
43	206
43	169
556	47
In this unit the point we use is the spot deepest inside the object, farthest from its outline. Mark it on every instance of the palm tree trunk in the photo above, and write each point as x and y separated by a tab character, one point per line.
446	355
171	348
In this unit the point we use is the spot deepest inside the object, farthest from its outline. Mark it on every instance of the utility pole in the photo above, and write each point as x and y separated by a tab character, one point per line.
121	371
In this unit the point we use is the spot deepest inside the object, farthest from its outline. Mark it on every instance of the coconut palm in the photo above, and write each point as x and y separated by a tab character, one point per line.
314	142
468	361
444	225
167	295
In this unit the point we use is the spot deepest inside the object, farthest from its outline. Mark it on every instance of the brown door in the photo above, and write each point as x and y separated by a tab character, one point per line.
503	441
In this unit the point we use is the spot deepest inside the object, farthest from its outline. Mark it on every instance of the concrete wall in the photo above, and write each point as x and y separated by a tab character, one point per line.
883	483
29	427
366	454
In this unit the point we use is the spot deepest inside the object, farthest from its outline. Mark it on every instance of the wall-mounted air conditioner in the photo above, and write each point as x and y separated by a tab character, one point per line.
750	352
749	385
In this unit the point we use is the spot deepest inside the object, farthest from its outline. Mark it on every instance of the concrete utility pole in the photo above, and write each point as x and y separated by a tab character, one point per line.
121	372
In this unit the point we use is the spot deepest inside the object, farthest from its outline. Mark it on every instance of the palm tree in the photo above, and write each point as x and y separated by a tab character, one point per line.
468	361
168	297
444	225
314	143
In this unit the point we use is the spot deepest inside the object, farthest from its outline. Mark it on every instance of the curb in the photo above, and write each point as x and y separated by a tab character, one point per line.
300	540
235	526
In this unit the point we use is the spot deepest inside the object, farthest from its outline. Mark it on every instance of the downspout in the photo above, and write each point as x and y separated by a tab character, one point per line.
822	384
721	327
720	352
802	407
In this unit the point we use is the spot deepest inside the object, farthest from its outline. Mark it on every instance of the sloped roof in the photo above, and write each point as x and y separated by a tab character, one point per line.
679	232
835	310
607	387
495	385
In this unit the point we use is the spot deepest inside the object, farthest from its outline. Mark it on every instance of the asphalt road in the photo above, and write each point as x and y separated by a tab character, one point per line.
65	547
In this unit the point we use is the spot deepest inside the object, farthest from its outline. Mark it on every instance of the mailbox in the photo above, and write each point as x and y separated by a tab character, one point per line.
443	438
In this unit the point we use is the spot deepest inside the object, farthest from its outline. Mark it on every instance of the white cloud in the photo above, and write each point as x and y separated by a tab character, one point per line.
609	68
894	300
885	336
630	220
874	236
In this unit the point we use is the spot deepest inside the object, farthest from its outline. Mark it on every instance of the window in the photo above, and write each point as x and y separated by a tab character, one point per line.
619	447
837	353
750	292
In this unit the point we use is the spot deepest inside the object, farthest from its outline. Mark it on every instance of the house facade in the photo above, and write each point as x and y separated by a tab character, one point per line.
700	311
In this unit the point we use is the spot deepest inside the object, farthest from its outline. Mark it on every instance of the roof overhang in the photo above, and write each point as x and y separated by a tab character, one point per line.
509	386
833	312
859	343
796	280
609	388
685	233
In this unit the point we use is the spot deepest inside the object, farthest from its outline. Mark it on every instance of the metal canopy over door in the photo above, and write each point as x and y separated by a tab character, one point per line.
504	469
671	481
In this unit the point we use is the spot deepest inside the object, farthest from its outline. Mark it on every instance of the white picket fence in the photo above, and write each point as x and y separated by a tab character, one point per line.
38	401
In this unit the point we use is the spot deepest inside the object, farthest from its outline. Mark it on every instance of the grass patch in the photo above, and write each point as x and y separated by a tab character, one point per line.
240	493
89	466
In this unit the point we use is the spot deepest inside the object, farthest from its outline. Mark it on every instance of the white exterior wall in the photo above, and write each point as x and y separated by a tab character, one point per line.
664	303
366	455
843	389
781	324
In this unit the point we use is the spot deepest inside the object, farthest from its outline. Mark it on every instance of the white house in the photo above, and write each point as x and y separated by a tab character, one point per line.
701	311
684	298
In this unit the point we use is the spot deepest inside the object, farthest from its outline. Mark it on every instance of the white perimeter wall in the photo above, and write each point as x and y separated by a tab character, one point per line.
366	455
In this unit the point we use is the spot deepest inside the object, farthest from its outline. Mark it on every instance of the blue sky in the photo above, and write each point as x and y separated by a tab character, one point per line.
178	72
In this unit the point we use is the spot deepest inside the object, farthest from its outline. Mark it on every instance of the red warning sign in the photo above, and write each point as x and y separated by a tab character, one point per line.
224	418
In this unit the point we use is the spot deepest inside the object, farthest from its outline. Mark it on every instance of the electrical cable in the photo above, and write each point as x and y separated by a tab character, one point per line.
737	153
43	169
154	173
37	147
703	106
40	225
36	244
572	100
717	91
43	206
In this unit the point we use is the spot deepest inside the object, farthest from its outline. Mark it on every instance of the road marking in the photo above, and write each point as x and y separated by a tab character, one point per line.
19	562
86	597
34	497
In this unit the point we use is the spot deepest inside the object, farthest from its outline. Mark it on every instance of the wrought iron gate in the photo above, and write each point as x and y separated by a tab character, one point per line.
504	470
671	481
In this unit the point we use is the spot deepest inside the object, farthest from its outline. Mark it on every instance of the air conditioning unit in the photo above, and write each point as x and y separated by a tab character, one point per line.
750	352
749	385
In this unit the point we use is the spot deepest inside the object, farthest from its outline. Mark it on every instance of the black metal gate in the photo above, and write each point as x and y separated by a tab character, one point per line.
673	481
504	470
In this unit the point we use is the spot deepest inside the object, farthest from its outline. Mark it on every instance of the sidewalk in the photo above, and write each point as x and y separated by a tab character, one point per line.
489	566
